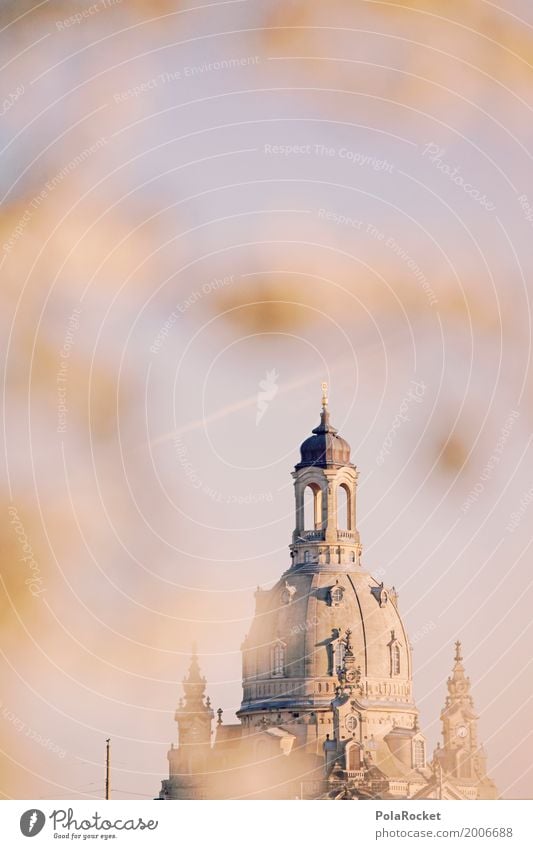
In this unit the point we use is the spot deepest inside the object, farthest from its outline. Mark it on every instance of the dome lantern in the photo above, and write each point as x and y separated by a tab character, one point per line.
325	482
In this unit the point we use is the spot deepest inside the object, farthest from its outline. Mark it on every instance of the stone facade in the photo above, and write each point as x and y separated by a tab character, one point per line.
327	708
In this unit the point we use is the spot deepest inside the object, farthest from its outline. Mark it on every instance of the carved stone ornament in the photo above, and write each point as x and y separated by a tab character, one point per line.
287	593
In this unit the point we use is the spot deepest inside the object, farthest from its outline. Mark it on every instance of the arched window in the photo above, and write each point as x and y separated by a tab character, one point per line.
277	659
343	507
353	756
336	595
419	754
395	659
352	556
307	556
312	506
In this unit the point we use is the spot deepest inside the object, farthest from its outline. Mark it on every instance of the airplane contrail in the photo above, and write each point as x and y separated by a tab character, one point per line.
251	401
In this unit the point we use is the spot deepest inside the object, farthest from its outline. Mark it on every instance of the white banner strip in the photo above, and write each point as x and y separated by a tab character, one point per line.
239	825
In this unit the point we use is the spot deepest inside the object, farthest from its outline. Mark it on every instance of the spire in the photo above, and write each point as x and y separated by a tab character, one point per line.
458	683
324	415
325	447
194	713
194	683
324	426
461	756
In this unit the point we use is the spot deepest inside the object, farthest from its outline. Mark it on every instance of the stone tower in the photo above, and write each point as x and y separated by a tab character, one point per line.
461	759
328	630
189	763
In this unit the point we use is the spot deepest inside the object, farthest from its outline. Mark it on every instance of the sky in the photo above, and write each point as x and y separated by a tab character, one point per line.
201	201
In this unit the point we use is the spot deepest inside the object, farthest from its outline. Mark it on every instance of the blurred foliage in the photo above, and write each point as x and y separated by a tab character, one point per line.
108	241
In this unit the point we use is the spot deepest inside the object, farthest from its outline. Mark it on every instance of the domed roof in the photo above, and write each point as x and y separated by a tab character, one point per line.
309	621
325	447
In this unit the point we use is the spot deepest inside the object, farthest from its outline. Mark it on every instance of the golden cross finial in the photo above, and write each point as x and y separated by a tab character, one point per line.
324	394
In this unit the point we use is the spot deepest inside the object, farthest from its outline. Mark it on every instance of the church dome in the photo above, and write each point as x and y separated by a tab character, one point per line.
327	627
308	614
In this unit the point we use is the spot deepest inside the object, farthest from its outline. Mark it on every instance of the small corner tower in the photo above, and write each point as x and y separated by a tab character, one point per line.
461	758
189	759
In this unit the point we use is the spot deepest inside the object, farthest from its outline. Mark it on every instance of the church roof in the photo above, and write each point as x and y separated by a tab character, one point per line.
228	734
309	624
325	447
